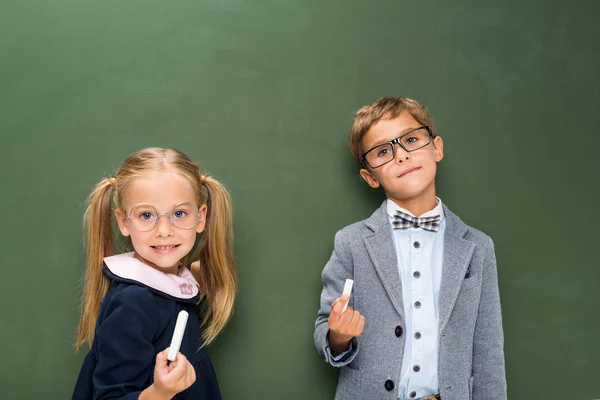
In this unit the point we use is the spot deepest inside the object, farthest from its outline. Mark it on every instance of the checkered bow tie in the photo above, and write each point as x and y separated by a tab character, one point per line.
404	221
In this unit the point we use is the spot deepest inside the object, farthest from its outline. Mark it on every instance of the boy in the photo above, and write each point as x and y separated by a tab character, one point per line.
425	319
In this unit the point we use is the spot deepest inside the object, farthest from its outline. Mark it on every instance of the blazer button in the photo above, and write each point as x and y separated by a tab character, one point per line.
389	385
398	331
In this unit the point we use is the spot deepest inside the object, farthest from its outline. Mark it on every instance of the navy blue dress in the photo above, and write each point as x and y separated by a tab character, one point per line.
135	323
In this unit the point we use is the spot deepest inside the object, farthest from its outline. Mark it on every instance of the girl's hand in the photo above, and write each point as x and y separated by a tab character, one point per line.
175	377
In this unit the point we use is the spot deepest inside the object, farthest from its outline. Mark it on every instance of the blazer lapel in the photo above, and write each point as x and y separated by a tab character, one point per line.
381	249
457	256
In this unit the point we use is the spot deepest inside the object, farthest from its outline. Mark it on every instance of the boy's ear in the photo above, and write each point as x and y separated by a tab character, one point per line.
438	148
369	178
122	221
202	218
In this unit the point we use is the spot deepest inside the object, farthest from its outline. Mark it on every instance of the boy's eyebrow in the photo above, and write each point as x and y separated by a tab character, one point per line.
402	132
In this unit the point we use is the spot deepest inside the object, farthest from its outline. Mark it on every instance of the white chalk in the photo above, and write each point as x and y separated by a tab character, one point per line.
347	291
177	335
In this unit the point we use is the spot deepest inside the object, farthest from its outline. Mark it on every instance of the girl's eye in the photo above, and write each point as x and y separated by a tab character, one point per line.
179	214
411	139
146	215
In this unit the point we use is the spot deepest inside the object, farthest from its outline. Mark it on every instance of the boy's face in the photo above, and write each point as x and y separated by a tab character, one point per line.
410	176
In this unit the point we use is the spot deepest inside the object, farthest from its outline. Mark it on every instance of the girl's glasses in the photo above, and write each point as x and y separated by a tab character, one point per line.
144	217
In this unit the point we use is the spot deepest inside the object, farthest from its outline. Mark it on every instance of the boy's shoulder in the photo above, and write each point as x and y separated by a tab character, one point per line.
455	224
370	224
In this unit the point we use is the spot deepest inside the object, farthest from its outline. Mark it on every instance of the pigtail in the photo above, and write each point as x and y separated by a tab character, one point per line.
99	245
216	271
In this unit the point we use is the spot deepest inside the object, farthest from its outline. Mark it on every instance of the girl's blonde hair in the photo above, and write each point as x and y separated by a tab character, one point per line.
211	261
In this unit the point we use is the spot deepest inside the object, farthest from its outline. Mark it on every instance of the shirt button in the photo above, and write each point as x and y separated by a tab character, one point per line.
389	385
412	395
417	245
398	331
416	274
416	368
417	304
417	335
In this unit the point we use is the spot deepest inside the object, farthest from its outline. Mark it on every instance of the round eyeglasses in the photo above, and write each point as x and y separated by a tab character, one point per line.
410	141
144	217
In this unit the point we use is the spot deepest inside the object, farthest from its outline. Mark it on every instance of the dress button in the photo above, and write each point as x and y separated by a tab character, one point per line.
416	274
389	385
398	331
417	245
412	395
416	368
417	304
417	335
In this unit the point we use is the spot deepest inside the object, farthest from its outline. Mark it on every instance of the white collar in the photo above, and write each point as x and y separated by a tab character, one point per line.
182	286
437	210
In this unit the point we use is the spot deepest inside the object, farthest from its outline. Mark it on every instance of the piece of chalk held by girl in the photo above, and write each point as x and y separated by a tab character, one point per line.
177	335
178	224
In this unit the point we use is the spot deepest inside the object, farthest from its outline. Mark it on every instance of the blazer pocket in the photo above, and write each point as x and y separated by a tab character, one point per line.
470	282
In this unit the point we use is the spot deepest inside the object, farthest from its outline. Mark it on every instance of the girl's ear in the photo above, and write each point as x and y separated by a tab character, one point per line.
122	221
201	218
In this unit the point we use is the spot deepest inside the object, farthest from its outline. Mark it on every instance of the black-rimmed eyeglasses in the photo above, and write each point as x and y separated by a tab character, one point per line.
410	141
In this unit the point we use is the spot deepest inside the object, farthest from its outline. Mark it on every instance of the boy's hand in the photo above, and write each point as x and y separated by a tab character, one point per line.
343	326
175	377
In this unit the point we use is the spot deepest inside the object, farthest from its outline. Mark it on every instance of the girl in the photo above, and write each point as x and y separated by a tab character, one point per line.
131	301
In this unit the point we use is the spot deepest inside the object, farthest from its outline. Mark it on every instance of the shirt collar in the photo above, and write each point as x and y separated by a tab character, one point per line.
437	210
181	286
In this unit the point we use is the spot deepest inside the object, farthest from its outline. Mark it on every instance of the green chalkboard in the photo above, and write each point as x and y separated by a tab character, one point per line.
262	94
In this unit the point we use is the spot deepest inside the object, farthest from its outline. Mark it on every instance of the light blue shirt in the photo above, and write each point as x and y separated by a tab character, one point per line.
419	254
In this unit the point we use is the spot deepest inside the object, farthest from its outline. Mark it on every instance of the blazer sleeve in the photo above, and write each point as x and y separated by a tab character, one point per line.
336	271
125	352
489	377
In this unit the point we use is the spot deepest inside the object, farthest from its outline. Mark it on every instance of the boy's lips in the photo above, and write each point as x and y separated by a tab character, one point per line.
408	171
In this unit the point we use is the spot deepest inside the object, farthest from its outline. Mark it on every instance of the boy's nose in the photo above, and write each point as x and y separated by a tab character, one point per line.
401	154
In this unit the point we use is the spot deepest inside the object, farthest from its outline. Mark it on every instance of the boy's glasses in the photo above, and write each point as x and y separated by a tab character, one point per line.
144	217
410	141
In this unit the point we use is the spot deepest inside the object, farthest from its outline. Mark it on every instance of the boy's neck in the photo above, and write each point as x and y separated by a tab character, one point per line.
417	206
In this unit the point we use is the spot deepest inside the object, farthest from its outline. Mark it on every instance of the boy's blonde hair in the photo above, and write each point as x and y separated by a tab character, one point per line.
213	263
384	108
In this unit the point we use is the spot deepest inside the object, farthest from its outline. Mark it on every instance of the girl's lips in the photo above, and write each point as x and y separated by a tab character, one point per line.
165	249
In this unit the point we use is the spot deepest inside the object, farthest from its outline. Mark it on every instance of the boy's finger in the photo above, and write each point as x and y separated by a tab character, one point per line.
361	324
338	305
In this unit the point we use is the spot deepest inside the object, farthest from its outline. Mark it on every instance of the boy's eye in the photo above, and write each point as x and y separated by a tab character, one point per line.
383	152
411	140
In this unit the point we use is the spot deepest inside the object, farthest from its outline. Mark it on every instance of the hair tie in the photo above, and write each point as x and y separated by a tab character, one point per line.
112	180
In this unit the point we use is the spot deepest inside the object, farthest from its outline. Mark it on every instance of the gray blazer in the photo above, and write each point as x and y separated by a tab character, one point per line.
471	348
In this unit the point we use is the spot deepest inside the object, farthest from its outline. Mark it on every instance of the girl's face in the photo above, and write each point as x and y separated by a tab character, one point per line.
163	246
